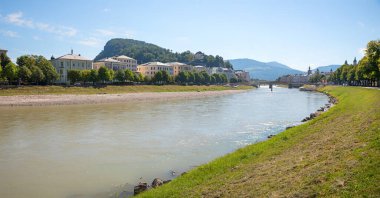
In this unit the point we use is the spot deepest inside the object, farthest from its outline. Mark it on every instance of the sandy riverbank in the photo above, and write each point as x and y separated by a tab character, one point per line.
43	100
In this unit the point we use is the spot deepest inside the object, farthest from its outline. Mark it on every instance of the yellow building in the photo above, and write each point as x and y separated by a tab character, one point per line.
151	68
179	67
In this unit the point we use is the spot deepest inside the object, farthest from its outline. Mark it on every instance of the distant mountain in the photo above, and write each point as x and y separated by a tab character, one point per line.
327	68
262	70
146	52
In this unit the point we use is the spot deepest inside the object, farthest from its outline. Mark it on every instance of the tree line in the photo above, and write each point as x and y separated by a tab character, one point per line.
30	69
108	76
365	73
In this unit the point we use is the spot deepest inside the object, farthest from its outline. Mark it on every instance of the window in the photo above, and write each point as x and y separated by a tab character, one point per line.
61	64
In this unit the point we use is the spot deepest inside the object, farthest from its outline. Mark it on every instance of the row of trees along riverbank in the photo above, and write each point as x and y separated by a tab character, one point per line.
108	76
37	70
30	69
365	73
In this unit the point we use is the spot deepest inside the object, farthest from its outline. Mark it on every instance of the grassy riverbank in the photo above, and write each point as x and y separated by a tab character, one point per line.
335	155
53	90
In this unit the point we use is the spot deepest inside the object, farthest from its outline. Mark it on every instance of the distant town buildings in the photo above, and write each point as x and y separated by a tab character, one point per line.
242	75
151	68
117	62
70	62
179	67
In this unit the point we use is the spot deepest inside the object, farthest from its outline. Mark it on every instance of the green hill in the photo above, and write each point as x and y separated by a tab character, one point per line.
146	52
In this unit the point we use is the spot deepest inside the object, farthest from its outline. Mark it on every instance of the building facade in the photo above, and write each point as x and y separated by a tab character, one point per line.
242	75
151	68
117	62
70	62
179	67
126	62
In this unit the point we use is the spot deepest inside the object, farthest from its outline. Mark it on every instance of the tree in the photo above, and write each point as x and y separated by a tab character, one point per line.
191	78
212	79
4	60
10	72
104	74
85	76
129	76
93	76
139	77
165	77
198	78
182	77
206	77
223	78
74	76
157	78
24	74
37	75
47	68
26	60
233	80
120	75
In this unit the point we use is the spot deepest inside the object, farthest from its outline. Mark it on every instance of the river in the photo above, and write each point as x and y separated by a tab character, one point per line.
98	150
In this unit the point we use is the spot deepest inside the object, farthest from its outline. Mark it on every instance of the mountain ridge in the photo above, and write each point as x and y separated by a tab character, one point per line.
263	70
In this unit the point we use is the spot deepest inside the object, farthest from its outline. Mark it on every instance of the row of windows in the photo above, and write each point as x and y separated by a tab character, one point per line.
68	64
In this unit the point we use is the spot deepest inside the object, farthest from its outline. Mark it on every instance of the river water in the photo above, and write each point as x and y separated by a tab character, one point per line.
98	150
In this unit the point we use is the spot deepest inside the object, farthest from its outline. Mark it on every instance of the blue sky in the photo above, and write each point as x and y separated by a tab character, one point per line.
296	33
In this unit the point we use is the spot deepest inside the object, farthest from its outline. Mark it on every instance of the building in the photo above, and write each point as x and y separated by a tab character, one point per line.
242	75
68	62
222	70
117	62
3	51
200	68
127	62
179	67
151	68
109	63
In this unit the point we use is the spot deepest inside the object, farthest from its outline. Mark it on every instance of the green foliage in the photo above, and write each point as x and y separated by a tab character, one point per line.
94	76
120	75
104	74
10	72
24	74
145	52
37	75
74	76
85	76
129	76
50	75
365	73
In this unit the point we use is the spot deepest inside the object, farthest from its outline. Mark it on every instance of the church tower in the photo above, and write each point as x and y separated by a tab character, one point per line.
355	62
309	71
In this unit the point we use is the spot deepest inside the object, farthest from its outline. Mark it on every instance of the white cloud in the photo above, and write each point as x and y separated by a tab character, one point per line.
9	33
91	42
18	19
106	10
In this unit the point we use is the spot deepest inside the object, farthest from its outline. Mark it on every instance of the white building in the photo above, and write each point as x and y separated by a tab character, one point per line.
117	62
242	75
221	70
70	62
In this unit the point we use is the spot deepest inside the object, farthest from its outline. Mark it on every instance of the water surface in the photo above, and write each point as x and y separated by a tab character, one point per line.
93	150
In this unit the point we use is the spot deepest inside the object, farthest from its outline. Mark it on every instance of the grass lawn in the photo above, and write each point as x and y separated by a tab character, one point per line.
335	155
46	90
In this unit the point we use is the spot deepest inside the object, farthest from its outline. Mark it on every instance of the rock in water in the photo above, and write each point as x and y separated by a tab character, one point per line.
157	182
140	188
